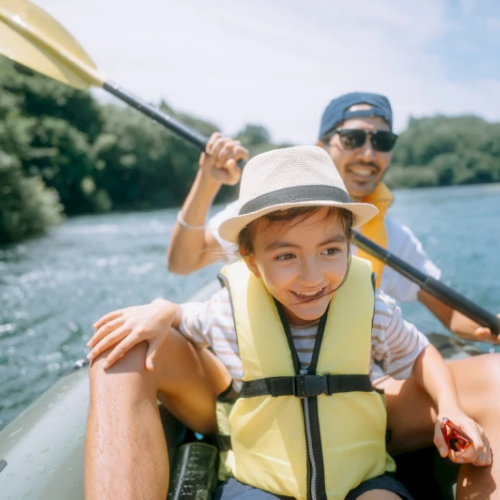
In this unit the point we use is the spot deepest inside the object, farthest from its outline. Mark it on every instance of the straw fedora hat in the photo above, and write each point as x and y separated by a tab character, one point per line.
291	177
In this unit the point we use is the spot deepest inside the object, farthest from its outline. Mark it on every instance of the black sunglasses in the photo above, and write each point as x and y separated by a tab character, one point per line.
353	138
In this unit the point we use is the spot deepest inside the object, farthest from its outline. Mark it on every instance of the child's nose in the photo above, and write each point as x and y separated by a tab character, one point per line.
311	273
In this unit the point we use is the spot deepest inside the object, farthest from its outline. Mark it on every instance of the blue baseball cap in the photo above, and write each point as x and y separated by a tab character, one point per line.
338	110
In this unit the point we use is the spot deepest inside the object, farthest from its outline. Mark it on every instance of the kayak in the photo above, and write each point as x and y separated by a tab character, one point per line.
42	450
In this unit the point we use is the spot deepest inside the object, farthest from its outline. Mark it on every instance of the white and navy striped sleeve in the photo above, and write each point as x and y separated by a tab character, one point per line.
395	342
211	324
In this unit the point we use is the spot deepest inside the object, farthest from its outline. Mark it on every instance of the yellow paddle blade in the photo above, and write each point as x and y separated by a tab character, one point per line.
29	36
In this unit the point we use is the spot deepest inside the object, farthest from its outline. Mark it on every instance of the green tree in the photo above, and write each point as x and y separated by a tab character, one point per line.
27	207
446	151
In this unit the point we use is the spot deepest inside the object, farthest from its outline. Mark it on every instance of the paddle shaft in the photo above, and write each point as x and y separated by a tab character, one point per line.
188	133
430	285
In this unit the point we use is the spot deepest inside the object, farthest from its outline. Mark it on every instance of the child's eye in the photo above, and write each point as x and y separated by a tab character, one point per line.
331	251
285	256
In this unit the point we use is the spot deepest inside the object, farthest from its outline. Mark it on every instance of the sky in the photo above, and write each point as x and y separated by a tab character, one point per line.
278	63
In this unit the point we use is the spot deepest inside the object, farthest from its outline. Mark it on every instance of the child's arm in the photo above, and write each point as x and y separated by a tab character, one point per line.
434	376
125	328
406	352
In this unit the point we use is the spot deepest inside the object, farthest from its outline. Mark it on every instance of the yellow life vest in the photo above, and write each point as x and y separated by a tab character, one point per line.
374	229
273	438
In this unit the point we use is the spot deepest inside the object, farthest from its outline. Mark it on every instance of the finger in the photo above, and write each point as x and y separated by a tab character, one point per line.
106	318
151	354
240	153
484	334
488	458
104	330
108	342
475	452
216	147
484	457
224	154
120	350
480	460
235	153
233	171
210	144
440	443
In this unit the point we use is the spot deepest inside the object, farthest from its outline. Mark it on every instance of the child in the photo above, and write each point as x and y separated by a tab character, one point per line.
296	328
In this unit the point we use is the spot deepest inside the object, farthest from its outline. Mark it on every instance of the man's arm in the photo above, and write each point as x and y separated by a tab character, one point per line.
456	322
192	245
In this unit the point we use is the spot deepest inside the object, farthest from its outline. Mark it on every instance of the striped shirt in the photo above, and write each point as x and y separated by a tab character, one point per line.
396	344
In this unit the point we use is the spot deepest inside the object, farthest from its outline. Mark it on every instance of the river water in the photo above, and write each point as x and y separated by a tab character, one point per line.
54	287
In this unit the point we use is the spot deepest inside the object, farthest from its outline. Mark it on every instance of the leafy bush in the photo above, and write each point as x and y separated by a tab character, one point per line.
26	206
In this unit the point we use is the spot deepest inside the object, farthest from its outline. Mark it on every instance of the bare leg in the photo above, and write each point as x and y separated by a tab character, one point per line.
125	452
411	417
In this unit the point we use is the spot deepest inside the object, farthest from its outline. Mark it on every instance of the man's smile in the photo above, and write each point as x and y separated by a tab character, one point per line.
363	170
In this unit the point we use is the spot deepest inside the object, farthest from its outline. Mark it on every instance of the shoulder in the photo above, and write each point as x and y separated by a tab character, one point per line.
404	244
401	237
385	305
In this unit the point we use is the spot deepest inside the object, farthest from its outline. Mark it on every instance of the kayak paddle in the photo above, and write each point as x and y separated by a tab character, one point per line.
31	37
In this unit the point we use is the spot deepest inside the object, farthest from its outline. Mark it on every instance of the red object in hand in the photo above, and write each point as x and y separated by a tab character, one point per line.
455	438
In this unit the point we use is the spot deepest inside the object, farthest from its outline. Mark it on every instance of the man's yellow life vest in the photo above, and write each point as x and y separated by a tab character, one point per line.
324	432
375	229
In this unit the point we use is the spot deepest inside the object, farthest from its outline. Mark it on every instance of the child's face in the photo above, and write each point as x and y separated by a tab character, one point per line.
301	263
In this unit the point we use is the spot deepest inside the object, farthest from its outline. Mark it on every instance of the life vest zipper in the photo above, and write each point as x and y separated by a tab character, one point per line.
317	467
310	450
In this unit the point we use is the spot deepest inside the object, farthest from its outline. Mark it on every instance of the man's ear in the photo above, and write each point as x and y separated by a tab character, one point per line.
321	144
252	266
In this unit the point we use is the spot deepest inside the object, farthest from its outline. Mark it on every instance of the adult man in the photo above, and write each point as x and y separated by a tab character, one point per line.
124	398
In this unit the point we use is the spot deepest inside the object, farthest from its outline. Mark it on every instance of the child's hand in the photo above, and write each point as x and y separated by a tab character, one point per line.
477	453
127	327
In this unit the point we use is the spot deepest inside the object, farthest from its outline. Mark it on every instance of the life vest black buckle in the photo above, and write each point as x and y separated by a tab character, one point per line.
307	386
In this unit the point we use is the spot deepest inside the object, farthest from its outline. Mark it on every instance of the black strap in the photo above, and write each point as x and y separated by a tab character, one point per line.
223	442
304	386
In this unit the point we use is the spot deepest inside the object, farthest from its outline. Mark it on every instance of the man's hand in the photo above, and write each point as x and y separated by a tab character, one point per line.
124	328
221	157
477	453
483	334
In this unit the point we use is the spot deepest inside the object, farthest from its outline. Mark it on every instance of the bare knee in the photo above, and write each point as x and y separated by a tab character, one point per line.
131	366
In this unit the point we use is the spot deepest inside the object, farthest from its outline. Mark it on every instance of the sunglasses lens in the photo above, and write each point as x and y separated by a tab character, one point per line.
383	141
352	139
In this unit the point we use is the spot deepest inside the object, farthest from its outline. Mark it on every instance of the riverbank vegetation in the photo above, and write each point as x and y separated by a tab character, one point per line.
64	153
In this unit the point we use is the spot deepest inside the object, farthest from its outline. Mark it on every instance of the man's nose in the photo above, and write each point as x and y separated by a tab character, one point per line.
366	152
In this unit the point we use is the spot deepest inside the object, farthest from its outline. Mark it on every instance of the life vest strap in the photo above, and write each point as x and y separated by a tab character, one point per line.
305	386
223	442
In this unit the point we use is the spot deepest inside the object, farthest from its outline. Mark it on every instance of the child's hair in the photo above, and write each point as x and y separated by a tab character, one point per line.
247	234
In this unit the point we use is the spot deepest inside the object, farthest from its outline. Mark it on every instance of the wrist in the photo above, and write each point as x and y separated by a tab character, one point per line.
167	310
207	181
444	410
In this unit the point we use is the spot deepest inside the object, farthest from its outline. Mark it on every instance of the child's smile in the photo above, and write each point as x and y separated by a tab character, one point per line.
302	262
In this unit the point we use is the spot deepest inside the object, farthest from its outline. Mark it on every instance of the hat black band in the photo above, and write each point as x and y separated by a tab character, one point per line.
295	195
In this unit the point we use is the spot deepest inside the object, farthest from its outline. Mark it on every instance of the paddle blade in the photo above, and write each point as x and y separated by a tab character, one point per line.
31	37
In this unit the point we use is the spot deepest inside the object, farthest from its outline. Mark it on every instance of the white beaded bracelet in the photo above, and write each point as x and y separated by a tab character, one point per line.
183	223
